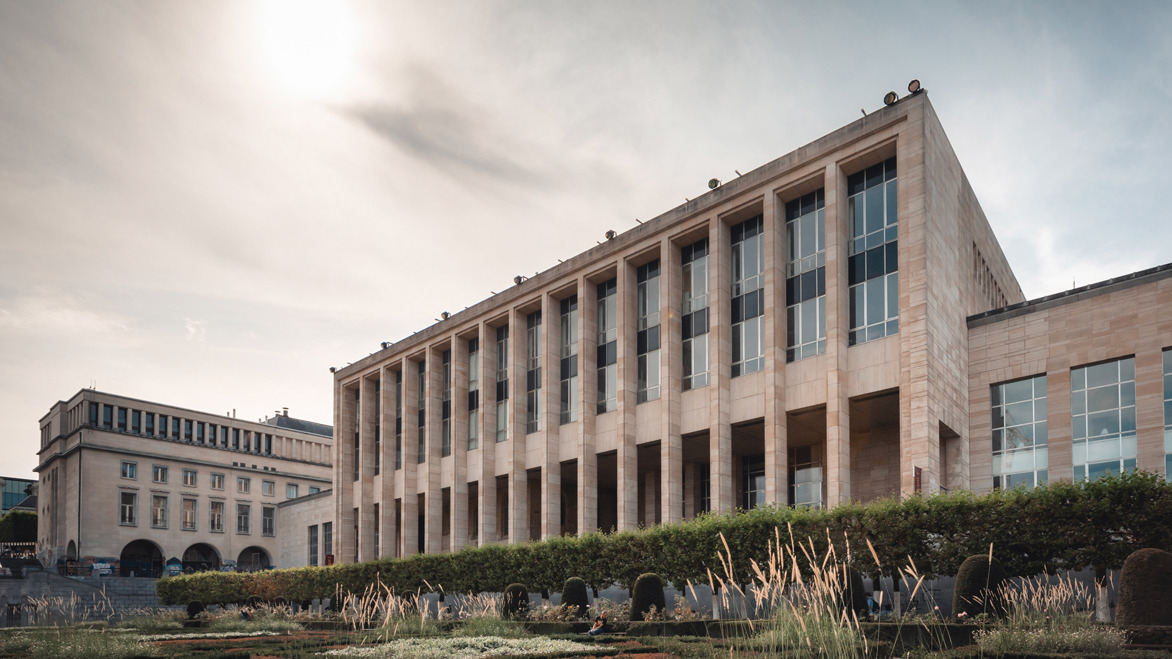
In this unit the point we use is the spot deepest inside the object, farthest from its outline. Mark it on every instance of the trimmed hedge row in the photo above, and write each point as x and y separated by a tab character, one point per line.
1060	526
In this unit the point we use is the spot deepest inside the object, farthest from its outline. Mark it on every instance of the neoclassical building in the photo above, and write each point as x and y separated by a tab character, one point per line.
799	335
133	484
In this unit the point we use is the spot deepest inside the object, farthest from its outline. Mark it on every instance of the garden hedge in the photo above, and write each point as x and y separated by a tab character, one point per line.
1063	525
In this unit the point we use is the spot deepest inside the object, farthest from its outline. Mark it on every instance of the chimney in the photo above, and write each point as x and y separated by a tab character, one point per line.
285	411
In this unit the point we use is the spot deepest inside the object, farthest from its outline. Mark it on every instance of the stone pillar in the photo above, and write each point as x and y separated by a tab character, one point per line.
587	382
518	478
410	471
486	491
627	458
459	461
774	331
550	434
719	368
838	441
671	383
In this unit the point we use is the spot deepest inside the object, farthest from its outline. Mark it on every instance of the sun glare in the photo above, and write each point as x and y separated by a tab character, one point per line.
309	45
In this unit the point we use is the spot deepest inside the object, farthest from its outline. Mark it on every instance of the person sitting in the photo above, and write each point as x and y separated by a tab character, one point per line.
599	625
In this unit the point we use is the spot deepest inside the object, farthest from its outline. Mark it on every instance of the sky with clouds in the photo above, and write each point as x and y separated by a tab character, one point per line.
210	203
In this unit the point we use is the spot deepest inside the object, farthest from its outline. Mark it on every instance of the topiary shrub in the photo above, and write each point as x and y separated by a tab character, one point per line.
978	587
854	594
1145	589
648	592
516	601
574	594
194	608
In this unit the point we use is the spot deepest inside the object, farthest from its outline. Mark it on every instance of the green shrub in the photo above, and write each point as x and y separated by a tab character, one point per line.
1145	589
978	587
574	594
194	608
516	601
648	593
1060	526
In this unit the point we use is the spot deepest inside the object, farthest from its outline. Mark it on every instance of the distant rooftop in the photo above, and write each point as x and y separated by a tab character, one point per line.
283	420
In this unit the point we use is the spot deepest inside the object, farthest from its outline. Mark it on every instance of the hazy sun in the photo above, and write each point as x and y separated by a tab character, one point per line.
309	45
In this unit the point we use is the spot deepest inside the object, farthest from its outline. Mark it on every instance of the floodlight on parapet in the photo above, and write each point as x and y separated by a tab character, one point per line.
890	98
333	370
385	344
445	315
913	86
713	183
610	234
518	279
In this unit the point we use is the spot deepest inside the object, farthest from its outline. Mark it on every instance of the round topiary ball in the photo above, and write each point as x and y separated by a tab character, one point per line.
194	608
978	587
854	594
1145	589
574	594
516	601
648	592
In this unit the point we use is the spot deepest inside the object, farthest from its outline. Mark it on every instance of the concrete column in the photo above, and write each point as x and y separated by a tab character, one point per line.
363	495
385	481
459	461
587	382
671	369
518	478
551	470
776	474
486	491
410	471
431	470
720	367
343	475
838	450
627	459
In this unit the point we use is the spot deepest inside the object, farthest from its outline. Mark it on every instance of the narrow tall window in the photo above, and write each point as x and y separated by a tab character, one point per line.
216	517
502	383
805	276
1020	454
312	545
268	520
235	439
473	394
128	509
608	333
533	372
398	420
1102	415
122	419
647	338
1168	415
94	414
748	297
243	518
694	314
805	477
377	529
357	432
200	437
446	406
107	417
190	506
187	432
150	424
873	265
135	421
421	406
327	538
175	427
753	486
378	434
159	512
568	368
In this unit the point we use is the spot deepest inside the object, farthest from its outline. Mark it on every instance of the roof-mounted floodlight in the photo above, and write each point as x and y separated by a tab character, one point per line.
890	98
713	183
610	234
518	279
445	315
332	369
385	344
913	86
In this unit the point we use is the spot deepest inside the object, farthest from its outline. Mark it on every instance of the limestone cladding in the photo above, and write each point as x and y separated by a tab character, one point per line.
1130	317
300	519
116	487
739	419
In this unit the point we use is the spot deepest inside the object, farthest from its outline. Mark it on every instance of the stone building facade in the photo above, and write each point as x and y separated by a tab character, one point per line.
132	484
795	336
